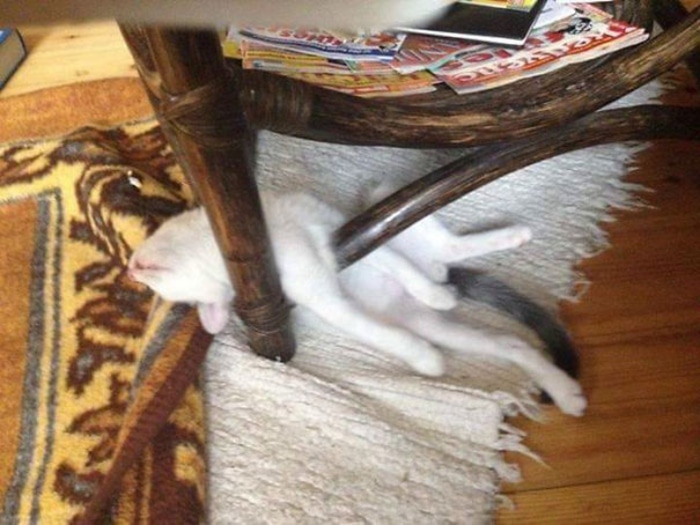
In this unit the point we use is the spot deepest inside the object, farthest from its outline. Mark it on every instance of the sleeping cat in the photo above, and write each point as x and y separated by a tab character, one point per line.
394	300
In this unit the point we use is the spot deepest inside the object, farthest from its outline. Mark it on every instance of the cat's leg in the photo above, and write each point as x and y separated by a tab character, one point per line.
438	328
323	295
431	246
461	247
411	278
342	313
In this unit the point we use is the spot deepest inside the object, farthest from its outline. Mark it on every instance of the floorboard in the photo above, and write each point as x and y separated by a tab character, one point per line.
67	53
668	500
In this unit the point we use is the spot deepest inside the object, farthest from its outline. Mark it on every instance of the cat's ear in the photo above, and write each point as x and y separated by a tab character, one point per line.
213	316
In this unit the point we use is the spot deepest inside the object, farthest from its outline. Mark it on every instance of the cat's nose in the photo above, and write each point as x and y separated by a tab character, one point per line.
131	270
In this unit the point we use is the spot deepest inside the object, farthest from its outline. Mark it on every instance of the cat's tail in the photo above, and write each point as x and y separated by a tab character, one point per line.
477	286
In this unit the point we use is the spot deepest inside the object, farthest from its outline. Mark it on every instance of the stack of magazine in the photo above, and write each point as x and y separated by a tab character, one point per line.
535	37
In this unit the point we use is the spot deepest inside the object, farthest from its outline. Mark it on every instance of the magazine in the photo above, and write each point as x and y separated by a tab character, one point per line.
357	77
372	85
338	61
421	52
592	32
327	44
271	58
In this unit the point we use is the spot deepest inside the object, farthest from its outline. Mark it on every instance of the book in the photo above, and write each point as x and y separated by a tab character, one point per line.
504	22
12	53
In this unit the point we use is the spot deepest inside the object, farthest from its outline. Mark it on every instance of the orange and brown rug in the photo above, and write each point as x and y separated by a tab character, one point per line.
85	351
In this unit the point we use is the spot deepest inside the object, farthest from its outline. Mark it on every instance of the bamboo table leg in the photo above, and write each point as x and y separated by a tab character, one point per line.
483	165
199	109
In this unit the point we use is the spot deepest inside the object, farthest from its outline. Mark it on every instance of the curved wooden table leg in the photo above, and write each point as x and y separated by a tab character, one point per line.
199	109
669	13
397	212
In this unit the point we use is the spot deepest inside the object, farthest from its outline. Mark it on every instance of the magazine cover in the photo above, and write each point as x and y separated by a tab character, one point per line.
592	32
377	46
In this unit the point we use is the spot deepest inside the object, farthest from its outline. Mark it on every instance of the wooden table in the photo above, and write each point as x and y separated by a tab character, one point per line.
210	110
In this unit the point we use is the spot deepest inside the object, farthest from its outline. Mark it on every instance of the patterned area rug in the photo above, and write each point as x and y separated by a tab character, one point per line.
85	350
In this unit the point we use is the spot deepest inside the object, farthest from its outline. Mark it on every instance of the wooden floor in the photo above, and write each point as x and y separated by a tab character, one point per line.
635	456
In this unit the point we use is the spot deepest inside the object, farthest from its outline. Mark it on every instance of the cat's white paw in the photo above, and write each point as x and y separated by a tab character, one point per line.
566	392
427	361
515	236
567	395
436	296
437	272
440	298
575	405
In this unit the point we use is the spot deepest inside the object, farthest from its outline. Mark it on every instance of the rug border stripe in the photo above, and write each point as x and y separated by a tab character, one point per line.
36	348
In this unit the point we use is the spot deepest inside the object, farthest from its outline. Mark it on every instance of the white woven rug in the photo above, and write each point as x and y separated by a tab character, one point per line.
345	435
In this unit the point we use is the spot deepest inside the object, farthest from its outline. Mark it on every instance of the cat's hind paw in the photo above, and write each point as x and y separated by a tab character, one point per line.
513	237
437	271
428	361
575	405
569	397
440	298
434	295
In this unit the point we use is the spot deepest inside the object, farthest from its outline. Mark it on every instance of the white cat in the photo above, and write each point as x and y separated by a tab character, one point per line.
393	300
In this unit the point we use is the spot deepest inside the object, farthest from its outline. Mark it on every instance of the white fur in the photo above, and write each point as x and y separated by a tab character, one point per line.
392	300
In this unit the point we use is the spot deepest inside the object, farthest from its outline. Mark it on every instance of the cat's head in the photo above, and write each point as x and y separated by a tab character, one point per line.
182	263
